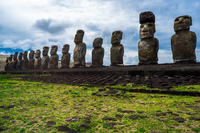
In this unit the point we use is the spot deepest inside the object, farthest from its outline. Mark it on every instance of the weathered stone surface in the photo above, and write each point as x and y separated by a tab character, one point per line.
53	61
19	62
25	61
147	17
117	49
31	60
10	62
37	64
65	60
51	123
97	53
184	41
6	68
45	58
14	61
79	50
148	45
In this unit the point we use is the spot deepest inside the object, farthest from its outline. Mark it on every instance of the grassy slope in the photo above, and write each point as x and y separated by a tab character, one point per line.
42	102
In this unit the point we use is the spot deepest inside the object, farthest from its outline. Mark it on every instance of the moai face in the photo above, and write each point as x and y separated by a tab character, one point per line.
31	54
182	23
116	37
45	51
37	54
20	56
97	42
54	49
147	30
15	56
79	37
65	49
25	55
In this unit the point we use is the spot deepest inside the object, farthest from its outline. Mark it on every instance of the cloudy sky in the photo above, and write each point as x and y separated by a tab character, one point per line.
32	24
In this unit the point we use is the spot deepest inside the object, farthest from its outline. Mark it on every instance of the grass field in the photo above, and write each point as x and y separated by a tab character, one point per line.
38	107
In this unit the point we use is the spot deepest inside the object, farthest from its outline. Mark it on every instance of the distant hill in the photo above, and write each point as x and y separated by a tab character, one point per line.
2	61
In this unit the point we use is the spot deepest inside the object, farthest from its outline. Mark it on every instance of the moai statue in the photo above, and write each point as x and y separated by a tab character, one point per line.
31	60
10	68
53	61
65	60
117	49
45	58
37	63
25	61
97	53
148	45
19	62
6	68
79	50
184	41
14	61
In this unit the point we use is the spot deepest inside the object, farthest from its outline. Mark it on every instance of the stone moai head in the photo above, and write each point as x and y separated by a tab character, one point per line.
182	23
15	56
147	27
97	42
45	51
37	54
54	49
31	54
20	56
79	37
116	37
65	49
25	55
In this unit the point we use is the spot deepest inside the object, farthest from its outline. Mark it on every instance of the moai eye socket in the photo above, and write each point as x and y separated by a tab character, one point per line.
142	26
149	25
177	19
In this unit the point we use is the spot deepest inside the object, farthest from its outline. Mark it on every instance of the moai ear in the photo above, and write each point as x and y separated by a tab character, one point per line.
190	21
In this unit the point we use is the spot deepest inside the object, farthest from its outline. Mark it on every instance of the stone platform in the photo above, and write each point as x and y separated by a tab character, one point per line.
155	76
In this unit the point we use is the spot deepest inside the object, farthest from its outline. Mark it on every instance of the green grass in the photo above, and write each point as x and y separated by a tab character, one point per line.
42	102
177	88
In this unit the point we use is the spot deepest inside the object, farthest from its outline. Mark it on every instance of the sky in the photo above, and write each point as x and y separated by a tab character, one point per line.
32	24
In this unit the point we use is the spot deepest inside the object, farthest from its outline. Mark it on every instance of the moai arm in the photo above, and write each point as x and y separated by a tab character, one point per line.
83	51
122	51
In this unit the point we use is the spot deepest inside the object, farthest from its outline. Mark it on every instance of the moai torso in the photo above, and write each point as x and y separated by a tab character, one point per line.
6	68
25	61
147	51
65	59
19	62
45	58
97	53
31	60
117	49
14	62
37	63
148	45
53	61
79	50
10	68
183	43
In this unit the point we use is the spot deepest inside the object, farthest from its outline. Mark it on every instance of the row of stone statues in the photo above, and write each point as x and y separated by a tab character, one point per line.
183	45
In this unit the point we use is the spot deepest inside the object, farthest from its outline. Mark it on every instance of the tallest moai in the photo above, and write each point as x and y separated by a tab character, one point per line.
183	42
148	45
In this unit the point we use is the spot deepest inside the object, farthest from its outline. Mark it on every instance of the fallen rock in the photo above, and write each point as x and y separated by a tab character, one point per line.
51	123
